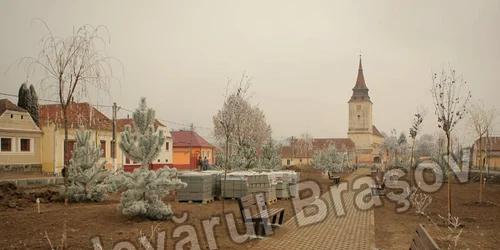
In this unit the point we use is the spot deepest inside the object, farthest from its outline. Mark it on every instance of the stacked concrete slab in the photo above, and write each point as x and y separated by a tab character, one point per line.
263	183
199	187
216	181
236	184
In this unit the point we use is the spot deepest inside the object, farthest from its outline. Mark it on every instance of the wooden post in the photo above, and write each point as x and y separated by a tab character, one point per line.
38	204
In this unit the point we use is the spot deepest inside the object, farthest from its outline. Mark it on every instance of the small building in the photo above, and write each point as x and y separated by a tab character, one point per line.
188	148
21	140
165	158
490	152
80	115
300	156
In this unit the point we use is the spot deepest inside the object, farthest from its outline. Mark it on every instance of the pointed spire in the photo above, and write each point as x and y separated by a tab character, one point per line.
360	90
360	81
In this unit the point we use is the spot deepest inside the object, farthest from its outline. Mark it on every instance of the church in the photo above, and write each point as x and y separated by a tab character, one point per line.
363	143
366	137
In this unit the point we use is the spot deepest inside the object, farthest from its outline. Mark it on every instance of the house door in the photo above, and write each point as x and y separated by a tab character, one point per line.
288	162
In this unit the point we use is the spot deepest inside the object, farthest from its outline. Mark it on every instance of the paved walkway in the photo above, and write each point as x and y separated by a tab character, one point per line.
355	230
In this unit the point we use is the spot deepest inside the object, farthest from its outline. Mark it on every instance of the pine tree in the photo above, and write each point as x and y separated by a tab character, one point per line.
24	97
270	158
143	189
328	159
33	107
84	170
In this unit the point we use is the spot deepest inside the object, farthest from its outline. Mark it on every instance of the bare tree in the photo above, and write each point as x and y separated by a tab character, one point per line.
72	66
450	109
417	121
481	121
305	145
227	119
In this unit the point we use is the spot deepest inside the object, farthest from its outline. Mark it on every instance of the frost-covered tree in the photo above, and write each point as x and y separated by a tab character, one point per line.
143	189
270	158
389	146
85	170
304	145
328	159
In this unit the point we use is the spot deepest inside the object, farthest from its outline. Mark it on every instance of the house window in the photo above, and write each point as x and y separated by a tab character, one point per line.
166	160
203	153
22	117
25	145
11	116
208	154
127	161
6	144
167	146
158	160
103	148
300	160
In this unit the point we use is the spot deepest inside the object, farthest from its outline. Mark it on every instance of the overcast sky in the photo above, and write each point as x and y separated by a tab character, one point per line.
302	55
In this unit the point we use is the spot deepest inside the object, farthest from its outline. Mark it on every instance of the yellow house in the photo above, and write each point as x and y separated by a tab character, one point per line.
490	153
80	115
188	148
300	156
21	141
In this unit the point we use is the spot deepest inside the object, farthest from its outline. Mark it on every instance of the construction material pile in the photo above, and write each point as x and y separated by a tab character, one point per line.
216	181
199	187
263	183
236	184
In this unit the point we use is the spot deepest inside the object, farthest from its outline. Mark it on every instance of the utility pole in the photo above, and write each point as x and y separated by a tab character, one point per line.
191	128
113	141
293	149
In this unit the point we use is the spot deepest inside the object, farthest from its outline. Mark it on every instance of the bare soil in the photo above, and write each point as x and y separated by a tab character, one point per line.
480	222
24	228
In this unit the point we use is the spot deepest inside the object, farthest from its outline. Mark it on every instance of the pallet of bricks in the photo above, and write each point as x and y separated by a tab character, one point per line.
263	183
216	181
198	189
283	180
236	185
293	186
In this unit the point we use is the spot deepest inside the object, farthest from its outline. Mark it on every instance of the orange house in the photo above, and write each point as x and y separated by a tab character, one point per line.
188	148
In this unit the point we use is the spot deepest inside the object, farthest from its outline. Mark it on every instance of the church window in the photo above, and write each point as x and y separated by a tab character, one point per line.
359	116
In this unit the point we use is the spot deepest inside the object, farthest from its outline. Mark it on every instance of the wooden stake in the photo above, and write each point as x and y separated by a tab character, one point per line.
38	204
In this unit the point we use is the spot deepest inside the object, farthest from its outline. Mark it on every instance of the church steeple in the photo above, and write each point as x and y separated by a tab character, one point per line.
360	91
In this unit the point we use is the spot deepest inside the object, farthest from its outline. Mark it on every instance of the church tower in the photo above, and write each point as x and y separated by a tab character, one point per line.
361	128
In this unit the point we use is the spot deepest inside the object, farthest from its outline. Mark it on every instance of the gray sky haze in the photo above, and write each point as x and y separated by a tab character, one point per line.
302	55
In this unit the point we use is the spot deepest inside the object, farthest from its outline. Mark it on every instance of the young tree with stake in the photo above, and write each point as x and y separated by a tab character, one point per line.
73	65
450	107
481	120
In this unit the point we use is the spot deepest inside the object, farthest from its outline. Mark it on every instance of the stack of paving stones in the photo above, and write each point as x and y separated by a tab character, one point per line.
283	180
236	185
293	185
216	181
199	187
263	183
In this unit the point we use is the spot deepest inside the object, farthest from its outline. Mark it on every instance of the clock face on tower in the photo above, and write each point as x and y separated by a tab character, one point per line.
358	107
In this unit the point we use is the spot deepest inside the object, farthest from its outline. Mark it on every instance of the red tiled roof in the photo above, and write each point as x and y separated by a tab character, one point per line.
318	145
121	123
5	105
494	143
79	114
189	138
376	132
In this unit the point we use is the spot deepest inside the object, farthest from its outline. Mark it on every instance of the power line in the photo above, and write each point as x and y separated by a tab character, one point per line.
121	108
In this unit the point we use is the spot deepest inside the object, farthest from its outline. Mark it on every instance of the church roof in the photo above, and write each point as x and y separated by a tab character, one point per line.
360	91
376	132
360	81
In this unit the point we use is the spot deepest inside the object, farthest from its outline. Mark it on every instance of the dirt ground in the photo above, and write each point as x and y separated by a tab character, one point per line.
24	228
480	223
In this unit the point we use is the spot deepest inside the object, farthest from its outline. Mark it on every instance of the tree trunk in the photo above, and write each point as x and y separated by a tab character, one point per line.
449	173
480	171
66	177
225	174
411	164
